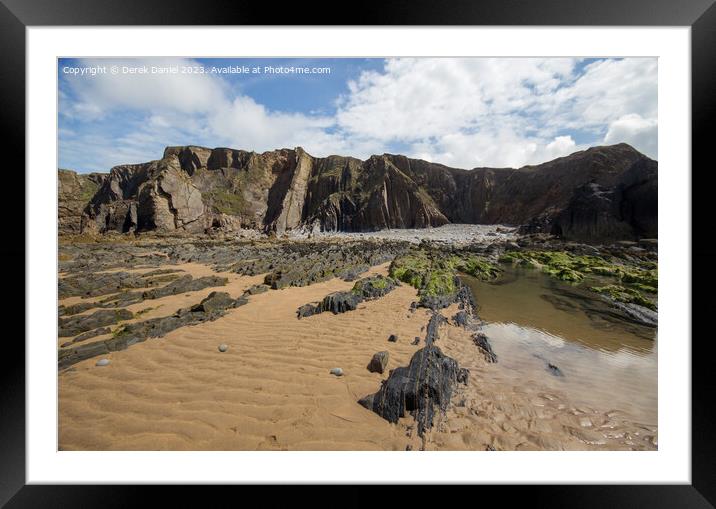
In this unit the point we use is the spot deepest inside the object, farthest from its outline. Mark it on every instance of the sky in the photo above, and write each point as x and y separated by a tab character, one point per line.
461	112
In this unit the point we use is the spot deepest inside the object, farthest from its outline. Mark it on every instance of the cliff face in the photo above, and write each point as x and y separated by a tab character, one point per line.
603	193
74	192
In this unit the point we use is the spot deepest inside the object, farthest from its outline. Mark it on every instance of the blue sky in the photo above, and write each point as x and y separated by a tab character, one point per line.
463	112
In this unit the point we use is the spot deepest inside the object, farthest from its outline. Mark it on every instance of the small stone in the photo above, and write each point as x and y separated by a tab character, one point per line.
554	370
378	362
415	341
337	372
103	362
393	338
223	347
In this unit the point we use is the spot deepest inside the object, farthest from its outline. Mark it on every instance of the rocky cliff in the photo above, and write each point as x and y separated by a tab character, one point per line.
603	193
75	190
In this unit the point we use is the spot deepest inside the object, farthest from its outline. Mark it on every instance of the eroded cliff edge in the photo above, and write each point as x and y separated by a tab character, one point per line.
599	194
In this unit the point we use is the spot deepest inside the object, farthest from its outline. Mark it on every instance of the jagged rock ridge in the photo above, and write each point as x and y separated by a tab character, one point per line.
597	194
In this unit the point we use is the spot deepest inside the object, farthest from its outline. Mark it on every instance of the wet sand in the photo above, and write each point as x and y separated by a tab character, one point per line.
272	389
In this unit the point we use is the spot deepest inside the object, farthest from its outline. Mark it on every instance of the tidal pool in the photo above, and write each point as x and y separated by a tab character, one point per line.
568	339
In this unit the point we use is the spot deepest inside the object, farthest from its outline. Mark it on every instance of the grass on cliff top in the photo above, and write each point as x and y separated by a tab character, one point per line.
433	274
631	283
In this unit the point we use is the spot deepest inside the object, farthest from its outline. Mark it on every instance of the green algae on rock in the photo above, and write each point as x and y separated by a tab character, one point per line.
370	288
433	273
625	294
632	279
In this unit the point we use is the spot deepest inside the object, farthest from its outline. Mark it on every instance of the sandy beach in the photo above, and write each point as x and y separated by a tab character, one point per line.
272	389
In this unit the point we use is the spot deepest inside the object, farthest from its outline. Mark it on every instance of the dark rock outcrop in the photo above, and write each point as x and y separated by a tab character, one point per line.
369	288
308	310
433	328
216	302
87	335
480	341
185	284
378	362
98	285
605	191
82	323
211	308
340	302
425	384
625	210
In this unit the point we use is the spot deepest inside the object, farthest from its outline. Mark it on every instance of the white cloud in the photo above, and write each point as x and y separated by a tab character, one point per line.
186	93
560	146
639	132
414	99
497	112
486	149
608	90
245	123
460	112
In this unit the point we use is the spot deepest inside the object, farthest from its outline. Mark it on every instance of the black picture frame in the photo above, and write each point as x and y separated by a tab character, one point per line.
700	15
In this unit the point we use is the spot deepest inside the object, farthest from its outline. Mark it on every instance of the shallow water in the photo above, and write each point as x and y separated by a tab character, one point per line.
534	321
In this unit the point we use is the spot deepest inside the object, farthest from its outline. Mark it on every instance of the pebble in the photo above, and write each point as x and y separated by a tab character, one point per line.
223	347
393	338
103	362
337	372
585	422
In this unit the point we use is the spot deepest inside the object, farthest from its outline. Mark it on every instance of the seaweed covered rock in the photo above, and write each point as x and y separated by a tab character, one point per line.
423	387
369	288
618	276
301	264
434	273
373	287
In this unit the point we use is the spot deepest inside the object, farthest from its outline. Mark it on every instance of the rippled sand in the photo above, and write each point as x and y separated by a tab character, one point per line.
272	388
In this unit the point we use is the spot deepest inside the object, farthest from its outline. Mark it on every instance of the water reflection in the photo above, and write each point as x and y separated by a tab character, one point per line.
536	324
